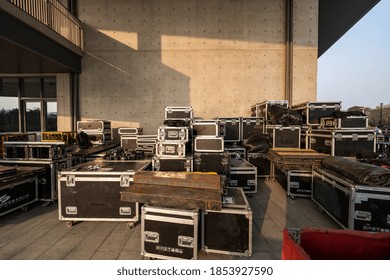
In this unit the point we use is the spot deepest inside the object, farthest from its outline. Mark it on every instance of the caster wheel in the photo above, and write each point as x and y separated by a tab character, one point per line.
130	225
46	204
69	224
24	208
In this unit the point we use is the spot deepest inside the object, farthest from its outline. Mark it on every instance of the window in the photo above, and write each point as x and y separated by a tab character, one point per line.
9	105
28	104
51	116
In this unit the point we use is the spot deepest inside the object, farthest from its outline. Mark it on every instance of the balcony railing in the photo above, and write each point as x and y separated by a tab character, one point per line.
55	16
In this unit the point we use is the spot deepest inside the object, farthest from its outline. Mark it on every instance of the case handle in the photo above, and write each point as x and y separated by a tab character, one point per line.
151	236
185	241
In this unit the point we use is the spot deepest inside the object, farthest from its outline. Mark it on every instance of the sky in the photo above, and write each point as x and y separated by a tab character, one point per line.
356	69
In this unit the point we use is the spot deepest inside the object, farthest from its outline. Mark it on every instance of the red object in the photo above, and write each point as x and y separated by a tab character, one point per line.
329	244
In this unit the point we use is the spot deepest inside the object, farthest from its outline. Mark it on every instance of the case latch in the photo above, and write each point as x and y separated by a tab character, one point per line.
125	211
70	180
71	210
125	180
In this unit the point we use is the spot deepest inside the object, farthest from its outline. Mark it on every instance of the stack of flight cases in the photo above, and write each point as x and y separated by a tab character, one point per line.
91	191
174	141
345	137
209	151
50	155
98	131
177	232
128	137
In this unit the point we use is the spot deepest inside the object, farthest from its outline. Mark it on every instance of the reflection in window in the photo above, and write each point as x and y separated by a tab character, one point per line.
9	114
49	87
51	116
33	116
32	87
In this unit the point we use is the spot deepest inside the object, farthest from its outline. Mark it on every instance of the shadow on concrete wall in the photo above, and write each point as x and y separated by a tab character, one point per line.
123	75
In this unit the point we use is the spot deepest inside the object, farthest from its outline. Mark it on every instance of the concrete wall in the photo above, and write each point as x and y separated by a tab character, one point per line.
218	56
64	108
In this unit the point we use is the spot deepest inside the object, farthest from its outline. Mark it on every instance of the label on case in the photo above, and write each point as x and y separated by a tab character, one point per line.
294	185
169	249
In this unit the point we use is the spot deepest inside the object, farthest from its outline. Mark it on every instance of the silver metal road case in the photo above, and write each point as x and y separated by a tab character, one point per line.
168	233
91	191
228	231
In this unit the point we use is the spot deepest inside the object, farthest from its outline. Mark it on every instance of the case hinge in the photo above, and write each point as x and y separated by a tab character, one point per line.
70	180
125	180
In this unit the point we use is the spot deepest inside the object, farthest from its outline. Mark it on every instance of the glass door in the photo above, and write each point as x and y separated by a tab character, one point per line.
33	116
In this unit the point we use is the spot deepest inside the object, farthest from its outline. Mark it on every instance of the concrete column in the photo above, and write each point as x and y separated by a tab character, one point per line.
305	50
64	106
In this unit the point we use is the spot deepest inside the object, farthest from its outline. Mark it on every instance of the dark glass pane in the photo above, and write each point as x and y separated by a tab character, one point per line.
32	87
9	114
9	87
49	87
51	117
33	116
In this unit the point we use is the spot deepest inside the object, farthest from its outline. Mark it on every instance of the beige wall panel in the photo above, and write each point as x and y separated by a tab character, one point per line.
219	57
64	119
305	76
305	50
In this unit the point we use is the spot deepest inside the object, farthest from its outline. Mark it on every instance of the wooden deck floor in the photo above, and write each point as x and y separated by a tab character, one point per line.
38	233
